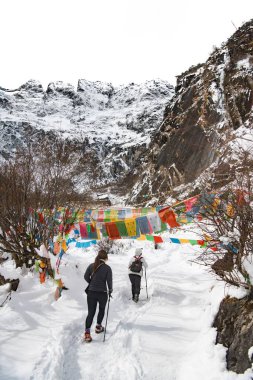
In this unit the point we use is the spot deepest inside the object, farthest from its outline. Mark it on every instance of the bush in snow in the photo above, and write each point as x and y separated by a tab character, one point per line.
113	246
228	220
37	178
105	245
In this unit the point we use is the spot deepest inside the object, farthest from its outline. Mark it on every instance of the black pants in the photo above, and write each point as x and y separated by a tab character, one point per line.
136	283
92	299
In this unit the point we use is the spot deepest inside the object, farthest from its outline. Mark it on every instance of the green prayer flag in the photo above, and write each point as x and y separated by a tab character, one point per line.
122	228
107	214
163	227
150	237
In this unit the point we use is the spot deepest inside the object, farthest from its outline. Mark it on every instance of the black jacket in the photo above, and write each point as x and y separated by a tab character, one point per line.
100	278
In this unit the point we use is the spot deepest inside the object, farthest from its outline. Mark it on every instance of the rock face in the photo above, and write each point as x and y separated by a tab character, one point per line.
110	126
234	323
211	109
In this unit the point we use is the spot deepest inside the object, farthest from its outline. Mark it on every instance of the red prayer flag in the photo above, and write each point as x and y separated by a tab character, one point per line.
167	215
190	202
112	230
158	239
41	218
83	230
57	248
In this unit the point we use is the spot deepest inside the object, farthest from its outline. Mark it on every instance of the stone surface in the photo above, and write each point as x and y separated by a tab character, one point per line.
234	324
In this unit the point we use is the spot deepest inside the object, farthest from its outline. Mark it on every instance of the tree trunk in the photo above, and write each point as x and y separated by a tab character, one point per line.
13	283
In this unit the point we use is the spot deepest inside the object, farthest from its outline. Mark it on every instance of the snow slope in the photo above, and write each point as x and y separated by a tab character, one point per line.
165	337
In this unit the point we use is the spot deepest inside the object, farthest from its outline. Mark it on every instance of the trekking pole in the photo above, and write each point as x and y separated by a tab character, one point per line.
146	283
6	299
107	317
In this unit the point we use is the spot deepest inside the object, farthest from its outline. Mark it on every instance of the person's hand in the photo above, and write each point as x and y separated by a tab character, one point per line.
110	293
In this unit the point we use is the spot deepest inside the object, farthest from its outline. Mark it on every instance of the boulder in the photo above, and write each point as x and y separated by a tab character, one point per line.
234	324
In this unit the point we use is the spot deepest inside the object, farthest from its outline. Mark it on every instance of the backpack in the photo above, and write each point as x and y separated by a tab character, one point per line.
136	265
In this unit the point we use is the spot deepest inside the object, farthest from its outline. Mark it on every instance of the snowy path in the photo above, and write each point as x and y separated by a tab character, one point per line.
162	338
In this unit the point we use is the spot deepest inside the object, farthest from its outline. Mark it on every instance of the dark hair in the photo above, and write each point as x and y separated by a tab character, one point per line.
102	255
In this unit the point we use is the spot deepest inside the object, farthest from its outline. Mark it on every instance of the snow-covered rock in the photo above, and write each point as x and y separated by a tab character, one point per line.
111	126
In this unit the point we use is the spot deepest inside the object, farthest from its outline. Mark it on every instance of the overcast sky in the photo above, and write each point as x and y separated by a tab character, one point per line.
118	41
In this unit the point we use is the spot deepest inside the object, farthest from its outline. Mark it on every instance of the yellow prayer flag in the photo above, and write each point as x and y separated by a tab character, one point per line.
113	215
207	237
216	202
182	220
142	237
230	210
80	215
98	233
131	227
64	245
182	241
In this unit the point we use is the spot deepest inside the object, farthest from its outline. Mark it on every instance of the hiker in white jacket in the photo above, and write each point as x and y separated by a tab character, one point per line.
135	272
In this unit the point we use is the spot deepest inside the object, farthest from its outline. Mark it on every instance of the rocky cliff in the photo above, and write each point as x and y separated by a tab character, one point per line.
234	324
208	120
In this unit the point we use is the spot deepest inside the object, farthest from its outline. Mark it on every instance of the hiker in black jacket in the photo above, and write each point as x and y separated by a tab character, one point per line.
99	277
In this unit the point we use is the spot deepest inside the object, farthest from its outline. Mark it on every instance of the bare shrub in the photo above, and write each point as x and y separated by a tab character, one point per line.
228	219
38	178
105	244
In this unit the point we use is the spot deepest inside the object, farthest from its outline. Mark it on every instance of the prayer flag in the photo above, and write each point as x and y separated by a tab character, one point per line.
112	230
167	215
158	239
131	227
143	225
150	237
122	228
175	241
83	230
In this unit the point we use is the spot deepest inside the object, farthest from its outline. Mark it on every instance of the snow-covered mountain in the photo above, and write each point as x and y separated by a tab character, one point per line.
145	140
206	125
108	127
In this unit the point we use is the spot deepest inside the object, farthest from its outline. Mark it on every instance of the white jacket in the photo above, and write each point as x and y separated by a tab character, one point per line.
144	264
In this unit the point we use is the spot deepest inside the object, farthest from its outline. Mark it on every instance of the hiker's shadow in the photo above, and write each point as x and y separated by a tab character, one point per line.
151	328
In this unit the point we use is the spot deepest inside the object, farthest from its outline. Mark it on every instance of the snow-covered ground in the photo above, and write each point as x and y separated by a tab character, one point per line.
165	337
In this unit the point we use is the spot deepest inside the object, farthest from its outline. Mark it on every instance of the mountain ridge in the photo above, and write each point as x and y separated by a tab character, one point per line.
143	142
108	125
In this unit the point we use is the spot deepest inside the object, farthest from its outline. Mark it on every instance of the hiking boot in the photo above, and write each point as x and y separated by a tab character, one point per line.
136	297
99	329
87	337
